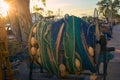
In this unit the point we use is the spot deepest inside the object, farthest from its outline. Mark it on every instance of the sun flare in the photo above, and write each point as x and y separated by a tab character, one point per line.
3	8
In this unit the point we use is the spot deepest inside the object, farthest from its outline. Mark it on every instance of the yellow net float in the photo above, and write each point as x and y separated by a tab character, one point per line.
39	60
33	41
91	51
38	52
34	30
93	77
33	51
62	70
78	64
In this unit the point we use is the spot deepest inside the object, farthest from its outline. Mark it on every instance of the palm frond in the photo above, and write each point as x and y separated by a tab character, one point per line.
44	2
105	7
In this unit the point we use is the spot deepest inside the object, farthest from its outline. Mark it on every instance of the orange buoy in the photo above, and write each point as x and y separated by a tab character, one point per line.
77	63
33	41
39	60
34	30
91	51
33	51
62	70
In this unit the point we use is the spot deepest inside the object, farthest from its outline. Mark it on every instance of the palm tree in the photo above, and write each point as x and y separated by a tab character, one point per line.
20	18
108	7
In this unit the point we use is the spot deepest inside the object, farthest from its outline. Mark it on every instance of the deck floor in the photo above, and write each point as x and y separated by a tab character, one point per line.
114	65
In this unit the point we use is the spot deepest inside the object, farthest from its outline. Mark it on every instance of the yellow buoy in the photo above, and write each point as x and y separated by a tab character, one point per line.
91	51
34	30
33	51
77	63
33	41
38	52
39	60
62	70
93	77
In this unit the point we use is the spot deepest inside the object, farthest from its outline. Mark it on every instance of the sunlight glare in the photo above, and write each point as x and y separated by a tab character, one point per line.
3	8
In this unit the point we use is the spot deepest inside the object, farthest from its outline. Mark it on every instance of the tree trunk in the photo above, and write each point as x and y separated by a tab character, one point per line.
20	19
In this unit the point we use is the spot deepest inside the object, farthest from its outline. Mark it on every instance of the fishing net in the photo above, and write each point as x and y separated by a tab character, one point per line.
61	46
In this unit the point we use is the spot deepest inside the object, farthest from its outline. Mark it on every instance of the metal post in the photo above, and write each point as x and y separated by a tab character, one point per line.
31	69
97	38
103	43
111	16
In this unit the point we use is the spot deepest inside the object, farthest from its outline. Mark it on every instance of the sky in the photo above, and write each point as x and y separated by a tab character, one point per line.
3	8
73	7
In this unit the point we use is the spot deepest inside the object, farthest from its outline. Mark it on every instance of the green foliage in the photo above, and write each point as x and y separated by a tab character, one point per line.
44	2
49	13
107	7
117	15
